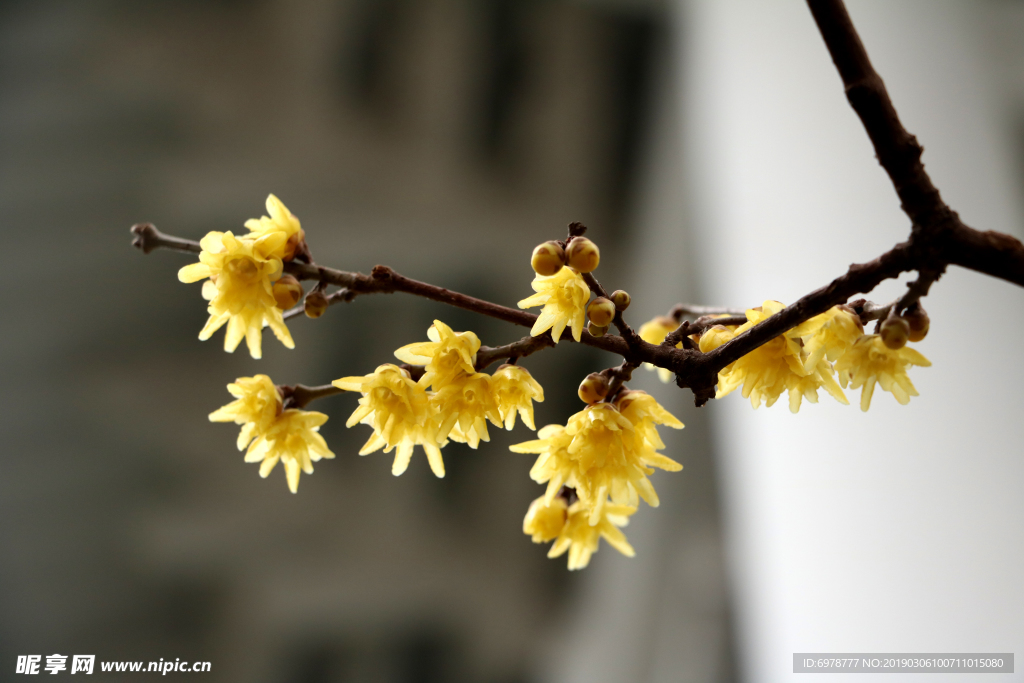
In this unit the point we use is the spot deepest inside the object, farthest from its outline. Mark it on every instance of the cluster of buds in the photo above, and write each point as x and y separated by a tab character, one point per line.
913	326
565	294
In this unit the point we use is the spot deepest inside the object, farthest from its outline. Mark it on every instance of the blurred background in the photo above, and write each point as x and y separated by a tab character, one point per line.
709	148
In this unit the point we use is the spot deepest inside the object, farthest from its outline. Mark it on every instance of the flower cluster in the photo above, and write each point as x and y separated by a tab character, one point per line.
605	454
240	272
801	360
869	360
450	401
272	433
571	529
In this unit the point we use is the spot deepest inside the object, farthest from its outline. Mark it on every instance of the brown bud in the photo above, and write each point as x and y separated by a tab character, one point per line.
597	330
593	388
315	304
621	299
548	258
895	332
919	322
582	254
601	311
287	292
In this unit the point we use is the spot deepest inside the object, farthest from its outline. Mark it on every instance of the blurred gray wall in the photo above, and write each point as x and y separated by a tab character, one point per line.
442	138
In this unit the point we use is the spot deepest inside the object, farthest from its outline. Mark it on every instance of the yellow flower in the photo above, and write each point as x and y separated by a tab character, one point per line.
291	438
828	335
654	332
280	221
400	413
447	355
581	534
256	407
554	466
515	390
645	413
463	407
564	296
599	453
776	366
869	361
240	289
807	386
545	520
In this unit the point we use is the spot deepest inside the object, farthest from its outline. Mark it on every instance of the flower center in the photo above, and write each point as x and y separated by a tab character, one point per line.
244	269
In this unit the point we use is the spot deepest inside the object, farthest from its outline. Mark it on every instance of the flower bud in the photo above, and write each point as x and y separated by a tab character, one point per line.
593	388
545	522
621	299
315	304
919	323
895	332
548	258
597	330
582	254
601	311
287	292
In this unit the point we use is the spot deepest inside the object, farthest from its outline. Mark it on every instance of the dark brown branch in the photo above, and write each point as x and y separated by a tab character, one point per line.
680	311
524	347
148	238
299	396
938	233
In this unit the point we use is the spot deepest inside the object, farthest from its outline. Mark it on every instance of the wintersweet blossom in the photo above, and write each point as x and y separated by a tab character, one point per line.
564	297
399	411
869	361
654	332
257	406
582	534
280	221
291	438
241	274
446	356
463	406
599	453
645	413
553	466
773	367
515	390
545	519
828	335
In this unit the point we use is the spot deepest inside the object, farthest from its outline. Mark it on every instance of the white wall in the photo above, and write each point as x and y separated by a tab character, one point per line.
899	530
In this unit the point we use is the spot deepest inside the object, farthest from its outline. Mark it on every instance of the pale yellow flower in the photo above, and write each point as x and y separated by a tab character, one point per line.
828	336
599	453
399	411
581	534
654	332
463	407
516	390
280	221
645	413
291	438
446	356
257	406
240	288
545	519
776	366
869	361
564	297
554	466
